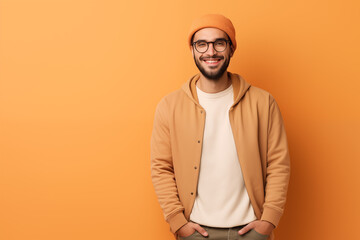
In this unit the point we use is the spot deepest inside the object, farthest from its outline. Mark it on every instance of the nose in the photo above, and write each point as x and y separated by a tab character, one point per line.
211	49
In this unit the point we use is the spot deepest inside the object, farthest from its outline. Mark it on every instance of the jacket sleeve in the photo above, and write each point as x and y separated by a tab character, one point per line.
278	167
162	170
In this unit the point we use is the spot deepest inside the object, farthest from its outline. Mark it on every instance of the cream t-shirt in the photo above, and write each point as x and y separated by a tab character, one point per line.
222	199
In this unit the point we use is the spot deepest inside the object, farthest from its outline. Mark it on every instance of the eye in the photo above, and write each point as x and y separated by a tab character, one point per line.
201	44
220	43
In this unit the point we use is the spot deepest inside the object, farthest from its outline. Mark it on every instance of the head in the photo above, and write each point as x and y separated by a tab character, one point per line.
213	62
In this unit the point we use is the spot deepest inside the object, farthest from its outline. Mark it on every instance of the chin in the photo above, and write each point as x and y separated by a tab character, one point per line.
216	74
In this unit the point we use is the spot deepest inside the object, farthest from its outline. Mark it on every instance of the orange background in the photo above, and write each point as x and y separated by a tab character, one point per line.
79	82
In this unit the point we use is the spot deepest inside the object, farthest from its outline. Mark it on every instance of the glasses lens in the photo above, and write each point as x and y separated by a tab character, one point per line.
220	45
201	46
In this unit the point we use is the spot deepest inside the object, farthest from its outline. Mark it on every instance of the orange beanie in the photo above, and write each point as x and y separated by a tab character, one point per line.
215	21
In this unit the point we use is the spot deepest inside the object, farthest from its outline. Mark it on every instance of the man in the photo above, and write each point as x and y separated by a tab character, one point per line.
219	156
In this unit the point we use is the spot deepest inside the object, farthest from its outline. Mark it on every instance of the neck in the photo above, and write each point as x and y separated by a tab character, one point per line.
213	85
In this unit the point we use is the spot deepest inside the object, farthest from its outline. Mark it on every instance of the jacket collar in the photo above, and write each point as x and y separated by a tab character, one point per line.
240	87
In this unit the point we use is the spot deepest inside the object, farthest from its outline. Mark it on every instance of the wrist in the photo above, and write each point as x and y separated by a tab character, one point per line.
269	224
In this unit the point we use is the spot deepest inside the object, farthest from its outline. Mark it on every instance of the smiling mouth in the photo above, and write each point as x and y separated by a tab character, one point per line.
212	61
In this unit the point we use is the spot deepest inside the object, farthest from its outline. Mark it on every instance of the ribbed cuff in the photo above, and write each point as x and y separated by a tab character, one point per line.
177	221
271	215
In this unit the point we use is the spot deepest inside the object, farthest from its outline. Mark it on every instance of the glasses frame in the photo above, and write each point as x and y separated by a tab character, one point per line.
213	44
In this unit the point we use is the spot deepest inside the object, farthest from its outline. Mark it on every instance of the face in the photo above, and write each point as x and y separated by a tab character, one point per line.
212	64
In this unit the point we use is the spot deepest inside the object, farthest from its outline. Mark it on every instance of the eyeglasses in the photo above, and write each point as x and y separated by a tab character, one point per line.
219	45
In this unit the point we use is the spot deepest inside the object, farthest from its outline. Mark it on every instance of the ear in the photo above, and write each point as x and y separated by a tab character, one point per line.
232	50
192	50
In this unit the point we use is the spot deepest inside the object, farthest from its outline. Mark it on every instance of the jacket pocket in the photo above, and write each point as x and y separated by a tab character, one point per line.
190	236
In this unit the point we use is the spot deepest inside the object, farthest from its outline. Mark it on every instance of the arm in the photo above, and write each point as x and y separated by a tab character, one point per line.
162	171
278	167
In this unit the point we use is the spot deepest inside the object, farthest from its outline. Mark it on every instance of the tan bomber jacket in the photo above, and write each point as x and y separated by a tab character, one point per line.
261	144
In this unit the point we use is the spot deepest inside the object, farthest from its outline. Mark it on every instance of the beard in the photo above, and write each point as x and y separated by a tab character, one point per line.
212	75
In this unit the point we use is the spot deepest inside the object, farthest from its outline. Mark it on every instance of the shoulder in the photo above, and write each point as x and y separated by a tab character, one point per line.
170	99
174	95
260	94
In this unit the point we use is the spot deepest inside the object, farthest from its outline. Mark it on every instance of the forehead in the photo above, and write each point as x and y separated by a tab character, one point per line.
209	34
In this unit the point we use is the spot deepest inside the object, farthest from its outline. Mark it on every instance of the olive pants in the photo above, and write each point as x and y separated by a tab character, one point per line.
225	234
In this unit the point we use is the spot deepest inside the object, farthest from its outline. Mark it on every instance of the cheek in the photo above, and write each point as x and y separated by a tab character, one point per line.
197	56
229	55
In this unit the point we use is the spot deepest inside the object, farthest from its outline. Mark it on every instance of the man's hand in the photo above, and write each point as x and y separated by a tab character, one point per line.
190	228
259	226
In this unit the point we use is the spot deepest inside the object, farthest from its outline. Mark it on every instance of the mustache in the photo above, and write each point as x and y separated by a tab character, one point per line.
209	57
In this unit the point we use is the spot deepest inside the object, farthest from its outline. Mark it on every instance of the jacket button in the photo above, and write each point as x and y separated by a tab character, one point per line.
192	193
195	167
198	141
201	111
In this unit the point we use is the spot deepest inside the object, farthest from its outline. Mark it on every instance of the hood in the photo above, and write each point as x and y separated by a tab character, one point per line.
240	87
